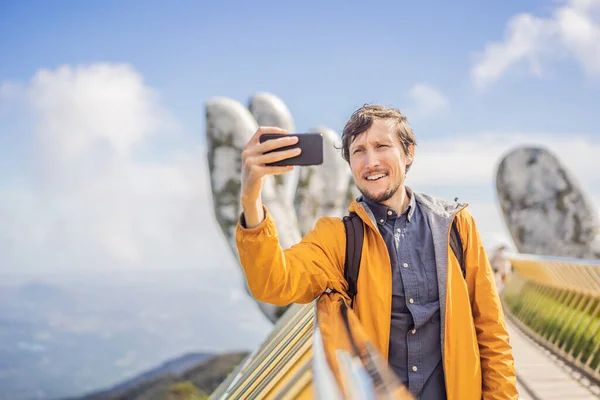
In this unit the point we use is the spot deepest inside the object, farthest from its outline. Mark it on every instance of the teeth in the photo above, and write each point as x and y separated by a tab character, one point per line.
375	177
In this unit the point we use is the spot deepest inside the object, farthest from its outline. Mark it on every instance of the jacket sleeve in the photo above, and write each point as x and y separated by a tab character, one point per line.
497	362
298	274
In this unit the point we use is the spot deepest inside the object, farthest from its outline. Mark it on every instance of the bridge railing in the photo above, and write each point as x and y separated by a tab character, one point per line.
345	361
317	350
557	302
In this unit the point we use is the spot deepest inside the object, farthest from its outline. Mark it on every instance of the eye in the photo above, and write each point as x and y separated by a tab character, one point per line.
383	145
356	151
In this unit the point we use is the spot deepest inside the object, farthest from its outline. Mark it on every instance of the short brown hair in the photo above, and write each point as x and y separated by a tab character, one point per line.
362	119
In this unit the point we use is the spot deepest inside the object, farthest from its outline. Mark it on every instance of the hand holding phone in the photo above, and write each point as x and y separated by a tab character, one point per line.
310	145
272	151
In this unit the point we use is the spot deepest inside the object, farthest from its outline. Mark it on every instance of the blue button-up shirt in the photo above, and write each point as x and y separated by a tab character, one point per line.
415	346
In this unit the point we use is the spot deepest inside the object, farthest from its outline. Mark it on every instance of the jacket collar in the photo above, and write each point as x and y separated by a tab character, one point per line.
437	206
440	207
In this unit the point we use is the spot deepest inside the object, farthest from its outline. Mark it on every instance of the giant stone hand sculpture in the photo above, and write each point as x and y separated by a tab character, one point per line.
324	190
327	189
545	209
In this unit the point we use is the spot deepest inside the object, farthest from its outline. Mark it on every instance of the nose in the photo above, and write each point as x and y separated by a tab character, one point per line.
371	160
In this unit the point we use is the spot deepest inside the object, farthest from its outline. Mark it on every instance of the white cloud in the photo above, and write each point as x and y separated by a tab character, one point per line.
79	109
90	199
572	30
426	101
471	159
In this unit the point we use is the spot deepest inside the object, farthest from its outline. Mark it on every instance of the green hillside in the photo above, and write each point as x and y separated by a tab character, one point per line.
194	383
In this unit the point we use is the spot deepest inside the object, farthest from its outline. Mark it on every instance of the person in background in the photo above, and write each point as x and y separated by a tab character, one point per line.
501	266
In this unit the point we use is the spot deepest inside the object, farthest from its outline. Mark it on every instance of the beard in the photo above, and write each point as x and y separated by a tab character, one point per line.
386	195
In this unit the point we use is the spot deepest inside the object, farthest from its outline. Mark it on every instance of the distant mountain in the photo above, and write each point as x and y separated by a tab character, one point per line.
201	378
69	335
172	367
209	374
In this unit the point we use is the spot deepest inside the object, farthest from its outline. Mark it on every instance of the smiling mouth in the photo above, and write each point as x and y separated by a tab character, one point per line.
376	177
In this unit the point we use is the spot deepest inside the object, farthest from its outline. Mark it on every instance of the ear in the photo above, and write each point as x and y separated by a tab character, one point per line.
411	154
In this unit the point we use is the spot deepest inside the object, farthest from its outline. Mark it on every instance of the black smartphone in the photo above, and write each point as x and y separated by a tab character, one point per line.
310	143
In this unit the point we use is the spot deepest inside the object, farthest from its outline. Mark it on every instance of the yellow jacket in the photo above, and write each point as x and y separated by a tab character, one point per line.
477	356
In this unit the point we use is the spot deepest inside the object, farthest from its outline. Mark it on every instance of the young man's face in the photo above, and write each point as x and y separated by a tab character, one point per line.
378	162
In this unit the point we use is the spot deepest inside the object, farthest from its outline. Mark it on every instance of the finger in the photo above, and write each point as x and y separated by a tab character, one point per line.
253	150
277	156
267	129
273	144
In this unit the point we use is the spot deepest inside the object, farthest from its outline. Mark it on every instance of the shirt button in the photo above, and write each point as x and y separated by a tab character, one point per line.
414	331
415	368
381	220
405	265
389	212
411	301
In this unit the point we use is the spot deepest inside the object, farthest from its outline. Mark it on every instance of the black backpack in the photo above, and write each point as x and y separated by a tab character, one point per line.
355	232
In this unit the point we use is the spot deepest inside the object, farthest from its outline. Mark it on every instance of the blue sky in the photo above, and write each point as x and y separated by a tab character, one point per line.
538	82
323	60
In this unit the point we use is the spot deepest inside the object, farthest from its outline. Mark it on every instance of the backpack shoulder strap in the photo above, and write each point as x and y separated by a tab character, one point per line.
457	247
355	232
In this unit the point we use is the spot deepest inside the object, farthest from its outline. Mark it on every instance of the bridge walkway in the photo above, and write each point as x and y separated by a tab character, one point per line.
543	376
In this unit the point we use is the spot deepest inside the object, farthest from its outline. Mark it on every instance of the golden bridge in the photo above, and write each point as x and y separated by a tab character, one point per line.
319	350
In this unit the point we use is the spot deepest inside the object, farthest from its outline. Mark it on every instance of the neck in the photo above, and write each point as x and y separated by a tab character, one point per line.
399	201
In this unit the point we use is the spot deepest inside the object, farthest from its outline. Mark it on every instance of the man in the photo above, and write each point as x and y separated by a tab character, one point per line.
443	334
501	267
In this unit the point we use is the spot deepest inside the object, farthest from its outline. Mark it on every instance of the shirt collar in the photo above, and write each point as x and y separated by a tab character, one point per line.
382	212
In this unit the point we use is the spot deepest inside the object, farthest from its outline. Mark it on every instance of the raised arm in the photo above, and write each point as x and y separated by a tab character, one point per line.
305	270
